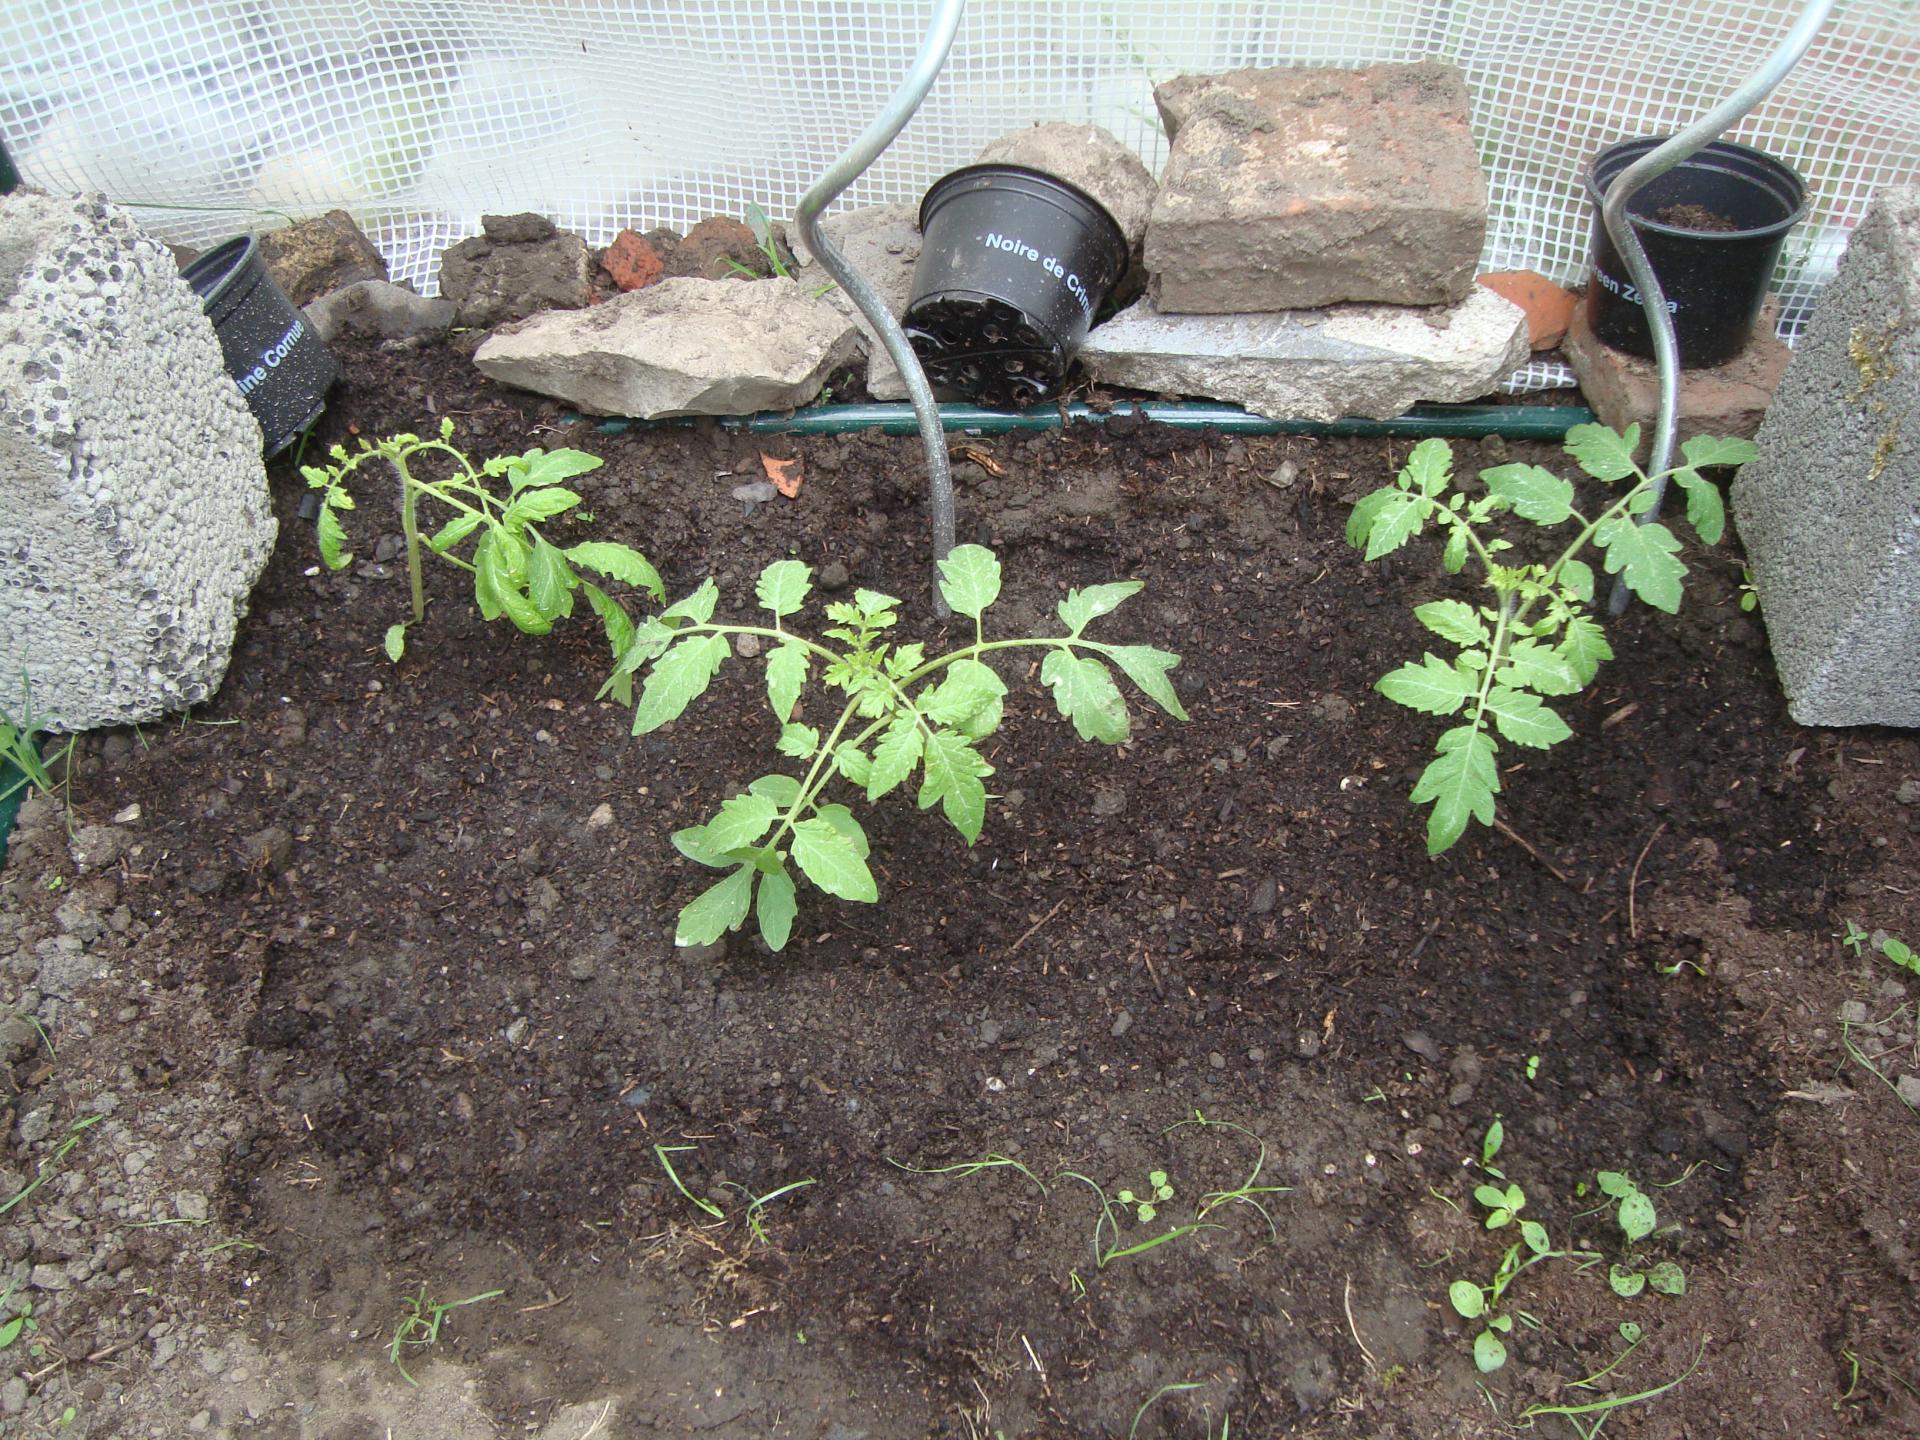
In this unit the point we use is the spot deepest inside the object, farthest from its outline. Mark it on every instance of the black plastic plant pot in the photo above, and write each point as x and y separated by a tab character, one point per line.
1715	279
9	177
281	366
1013	266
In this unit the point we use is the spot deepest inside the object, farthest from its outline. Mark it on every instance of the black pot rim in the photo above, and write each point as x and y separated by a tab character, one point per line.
937	194
1731	149
217	270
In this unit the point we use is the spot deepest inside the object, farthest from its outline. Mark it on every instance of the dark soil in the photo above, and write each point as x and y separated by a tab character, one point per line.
417	921
1693	217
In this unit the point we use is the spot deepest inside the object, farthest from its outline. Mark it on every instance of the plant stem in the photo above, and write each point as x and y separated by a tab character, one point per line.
409	527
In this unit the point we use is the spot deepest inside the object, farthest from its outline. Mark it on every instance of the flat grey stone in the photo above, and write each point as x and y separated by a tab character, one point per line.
1830	511
380	309
681	347
1368	360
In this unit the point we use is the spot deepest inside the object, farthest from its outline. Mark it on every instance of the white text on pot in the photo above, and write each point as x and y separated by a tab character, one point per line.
271	357
1014	246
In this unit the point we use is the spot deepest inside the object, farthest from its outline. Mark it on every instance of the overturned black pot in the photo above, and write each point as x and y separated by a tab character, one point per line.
1715	280
1013	266
282	367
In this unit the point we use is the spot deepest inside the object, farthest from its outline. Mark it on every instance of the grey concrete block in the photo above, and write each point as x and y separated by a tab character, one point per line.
1372	360
1292	188
1087	157
1830	511
681	347
134	513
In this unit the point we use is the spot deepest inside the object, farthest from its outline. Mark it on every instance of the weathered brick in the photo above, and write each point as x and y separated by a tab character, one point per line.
1724	399
1289	189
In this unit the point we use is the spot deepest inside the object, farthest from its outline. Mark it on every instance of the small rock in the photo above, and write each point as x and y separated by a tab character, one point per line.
48	1277
581	966
1283	476
13	1396
520	265
1909	1088
97	847
128	815
833	577
1217	1060
1122	1023
1853	1012
269	850
633	262
746	646
1549	308
381	311
601	817
517	1030
1109	802
313	257
190	1205
1908	793
712	248
1265	896
388	547
1422	1045
989	1031
754	492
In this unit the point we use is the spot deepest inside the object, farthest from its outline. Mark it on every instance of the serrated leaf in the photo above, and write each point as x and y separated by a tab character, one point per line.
1583	645
697	845
894	757
550	580
1706	512
783	587
1454	558
1643	556
844	820
1460	784
786	678
620	632
719	908
741	822
1668	1278
618	562
1365	511
1577	576
1602	453
1637	1217
970	579
1533	666
696	608
1147	667
828	859
951	773
496	588
798	741
454	531
1704	450
395	642
1523	719
538	505
1624	1282
1488	1353
1082	607
774	906
1468	1300
677	679
1535	493
332	538
966	689
876	608
1433	687
1398	519
1453	620
1429	465
782	790
547	467
906	659
1083	688
854	763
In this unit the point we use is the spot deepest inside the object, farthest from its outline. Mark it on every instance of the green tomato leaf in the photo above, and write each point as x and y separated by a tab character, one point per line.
1533	666
966	689
1706	512
333	539
782	790
1668	1278
844	820
1643	556
1397	519
454	531
1488	1353
1704	450
1147	667
1432	687
894	757
783	587
1522	719
1577	576
547	467
697	608
786	678
1602	453
952	771
828	859
1460	784
798	741
1083	688
1453	620
1535	493
1637	1218
1360	519
696	843
1624	1282
1429	465
875	608
618	562
719	908
395	643
1454	557
774	907
741	821
1469	1300
677	679
613	616
498	575
1082	607
853	762
538	505
970	579
550	580
1583	646
905	660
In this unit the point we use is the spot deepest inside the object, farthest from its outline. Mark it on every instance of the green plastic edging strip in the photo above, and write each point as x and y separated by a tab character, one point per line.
1513	422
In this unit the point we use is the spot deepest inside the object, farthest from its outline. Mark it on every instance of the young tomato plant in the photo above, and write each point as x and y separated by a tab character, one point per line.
899	712
1535	638
517	572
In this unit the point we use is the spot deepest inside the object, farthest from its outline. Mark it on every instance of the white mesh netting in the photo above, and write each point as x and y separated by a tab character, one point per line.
418	116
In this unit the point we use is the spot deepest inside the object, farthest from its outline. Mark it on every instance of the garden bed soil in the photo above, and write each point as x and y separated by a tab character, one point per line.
369	969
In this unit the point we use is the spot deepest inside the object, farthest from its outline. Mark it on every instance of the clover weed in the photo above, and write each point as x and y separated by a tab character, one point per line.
517	571
899	712
1536	638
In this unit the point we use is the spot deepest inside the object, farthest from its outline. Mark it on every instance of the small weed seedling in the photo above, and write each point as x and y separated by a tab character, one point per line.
761	224
1536	638
1503	1200
1146	1206
1855	937
420	1322
22	1327
899	711
1225	1431
1633	1209
1899	952
517	572
1589	1418
20	741
756	1210
964	1168
52	1162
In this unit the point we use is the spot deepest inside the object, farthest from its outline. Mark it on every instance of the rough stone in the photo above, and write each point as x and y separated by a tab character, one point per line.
1724	399
1287	189
1315	365
134	510
712	248
311	258
1830	511
1087	157
1549	306
682	347
382	310
882	243
633	262
518	266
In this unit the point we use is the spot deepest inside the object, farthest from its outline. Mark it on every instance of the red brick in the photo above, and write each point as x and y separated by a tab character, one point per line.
1726	400
632	261
1549	307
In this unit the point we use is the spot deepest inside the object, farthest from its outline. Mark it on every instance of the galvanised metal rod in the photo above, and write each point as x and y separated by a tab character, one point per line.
1626	239
839	175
